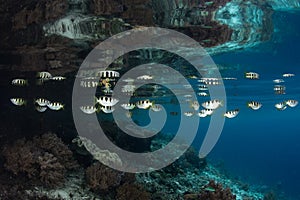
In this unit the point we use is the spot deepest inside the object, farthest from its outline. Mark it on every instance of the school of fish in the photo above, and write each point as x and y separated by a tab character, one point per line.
107	103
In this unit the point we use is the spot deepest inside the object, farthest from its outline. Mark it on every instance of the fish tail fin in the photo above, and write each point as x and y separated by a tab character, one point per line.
152	103
98	109
222	103
95	100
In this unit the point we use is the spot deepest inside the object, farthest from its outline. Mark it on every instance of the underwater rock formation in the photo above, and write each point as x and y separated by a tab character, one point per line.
16	192
52	172
49	142
132	192
114	184
215	191
77	26
45	159
57	35
212	191
102	178
284	5
98	154
250	22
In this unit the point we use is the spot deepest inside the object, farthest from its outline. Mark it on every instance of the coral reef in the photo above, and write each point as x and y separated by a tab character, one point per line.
103	156
132	192
45	159
57	35
49	142
189	178
17	192
114	184
270	196
212	191
102	178
20	158
37	160
52	172
215	191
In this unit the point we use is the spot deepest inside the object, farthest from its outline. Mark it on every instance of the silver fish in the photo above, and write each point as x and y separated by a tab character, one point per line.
212	104
279	87
193	77
55	106
40	108
288	75
88	109
195	105
291	103
44	75
251	75
254	105
144	104
278	81
188	114
156	108
107	109
19	82
108	74
208	111
89	83
208	79
280	106
18	101
202	87
202	113
128	106
212	82
203	94
106	101
42	101
145	77
232	113
230	78
58	78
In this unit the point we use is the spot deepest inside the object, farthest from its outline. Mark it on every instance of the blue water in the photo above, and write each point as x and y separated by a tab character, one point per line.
264	146
260	147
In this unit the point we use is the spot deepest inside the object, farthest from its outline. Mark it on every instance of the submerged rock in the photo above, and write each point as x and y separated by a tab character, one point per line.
59	34
284	5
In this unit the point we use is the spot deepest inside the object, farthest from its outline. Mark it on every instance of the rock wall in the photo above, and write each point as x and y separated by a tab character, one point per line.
57	35
250	22
284	5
